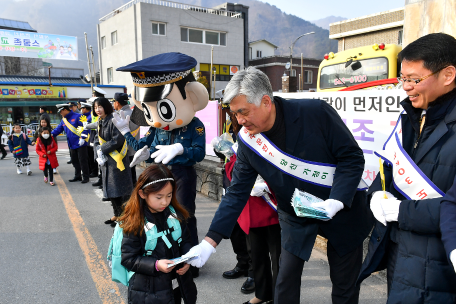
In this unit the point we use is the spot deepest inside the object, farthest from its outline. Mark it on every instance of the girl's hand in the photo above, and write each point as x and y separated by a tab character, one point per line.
183	269
162	265
33	143
13	152
44	155
48	152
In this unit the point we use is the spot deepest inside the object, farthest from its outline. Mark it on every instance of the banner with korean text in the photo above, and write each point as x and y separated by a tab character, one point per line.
15	92
369	114
38	45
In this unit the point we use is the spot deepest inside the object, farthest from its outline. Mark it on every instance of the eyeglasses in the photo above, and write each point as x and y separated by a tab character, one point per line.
417	81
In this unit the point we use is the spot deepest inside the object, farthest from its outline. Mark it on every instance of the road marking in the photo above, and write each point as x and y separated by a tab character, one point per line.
101	275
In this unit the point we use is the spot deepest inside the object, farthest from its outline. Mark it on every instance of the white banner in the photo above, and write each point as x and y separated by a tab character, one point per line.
369	114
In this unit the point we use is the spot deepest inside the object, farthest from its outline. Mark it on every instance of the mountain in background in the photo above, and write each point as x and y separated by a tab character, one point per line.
73	18
325	22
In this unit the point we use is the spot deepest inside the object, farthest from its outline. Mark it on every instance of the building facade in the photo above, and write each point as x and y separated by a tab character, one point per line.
275	67
261	48
144	28
385	27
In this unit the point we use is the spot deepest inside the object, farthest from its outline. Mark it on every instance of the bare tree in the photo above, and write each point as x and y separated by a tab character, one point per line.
21	66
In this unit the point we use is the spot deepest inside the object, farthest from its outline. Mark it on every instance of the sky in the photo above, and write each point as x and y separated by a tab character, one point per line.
314	10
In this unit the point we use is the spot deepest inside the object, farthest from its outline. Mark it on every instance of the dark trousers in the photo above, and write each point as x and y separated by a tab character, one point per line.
93	165
343	272
2	148
177	296
265	253
117	205
48	171
391	251
241	248
79	159
185	177
133	172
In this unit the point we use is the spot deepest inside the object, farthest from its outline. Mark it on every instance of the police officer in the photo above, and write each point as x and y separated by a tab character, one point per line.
74	107
97	92
72	124
166	91
120	103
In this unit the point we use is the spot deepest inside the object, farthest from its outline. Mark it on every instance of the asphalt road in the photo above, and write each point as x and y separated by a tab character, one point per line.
53	245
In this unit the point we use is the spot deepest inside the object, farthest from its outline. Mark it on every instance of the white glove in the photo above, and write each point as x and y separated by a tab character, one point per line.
259	189
166	153
100	153
81	142
391	209
376	205
453	258
203	252
140	155
100	161
331	206
84	124
122	122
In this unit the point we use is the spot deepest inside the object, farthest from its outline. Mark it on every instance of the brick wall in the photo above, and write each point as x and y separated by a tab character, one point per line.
369	21
384	36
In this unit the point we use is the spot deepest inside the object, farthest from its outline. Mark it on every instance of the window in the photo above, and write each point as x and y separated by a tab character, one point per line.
110	76
259	54
103	42
202	36
158	28
114	38
399	37
308	75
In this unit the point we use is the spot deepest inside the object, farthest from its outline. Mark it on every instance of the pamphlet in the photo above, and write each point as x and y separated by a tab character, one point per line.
181	260
302	204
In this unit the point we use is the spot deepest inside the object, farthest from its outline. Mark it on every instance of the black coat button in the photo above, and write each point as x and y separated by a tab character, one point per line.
378	239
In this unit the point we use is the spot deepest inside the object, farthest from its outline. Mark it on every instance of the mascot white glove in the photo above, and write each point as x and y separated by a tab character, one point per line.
81	142
453	258
166	153
203	251
140	155
331	206
122	122
259	189
378	200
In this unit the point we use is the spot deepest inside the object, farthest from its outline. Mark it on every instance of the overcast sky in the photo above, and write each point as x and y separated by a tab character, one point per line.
314	9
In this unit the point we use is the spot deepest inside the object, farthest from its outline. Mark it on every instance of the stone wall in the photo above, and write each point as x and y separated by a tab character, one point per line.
210	179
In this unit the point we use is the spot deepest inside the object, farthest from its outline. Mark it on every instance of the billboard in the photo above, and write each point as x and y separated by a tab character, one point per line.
37	92
38	45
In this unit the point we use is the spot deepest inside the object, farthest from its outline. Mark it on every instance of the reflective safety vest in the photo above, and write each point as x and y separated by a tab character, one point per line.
119	273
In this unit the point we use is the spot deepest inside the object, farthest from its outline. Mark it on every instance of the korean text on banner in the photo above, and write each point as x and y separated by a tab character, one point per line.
14	92
369	114
38	45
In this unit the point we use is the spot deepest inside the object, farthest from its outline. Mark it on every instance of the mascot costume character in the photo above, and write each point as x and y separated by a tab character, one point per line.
167	96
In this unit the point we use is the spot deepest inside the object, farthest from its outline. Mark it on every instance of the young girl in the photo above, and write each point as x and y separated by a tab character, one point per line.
44	122
153	282
18	144
46	148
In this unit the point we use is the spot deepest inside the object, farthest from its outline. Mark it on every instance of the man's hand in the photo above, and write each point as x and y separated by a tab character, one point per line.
122	122
331	206
183	269
259	189
140	155
166	153
453	258
203	251
81	142
376	205
162	265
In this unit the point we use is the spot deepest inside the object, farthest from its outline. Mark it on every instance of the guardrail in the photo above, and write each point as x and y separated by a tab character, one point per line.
173	5
27	129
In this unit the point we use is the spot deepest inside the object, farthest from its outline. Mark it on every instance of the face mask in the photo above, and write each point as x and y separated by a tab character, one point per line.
45	136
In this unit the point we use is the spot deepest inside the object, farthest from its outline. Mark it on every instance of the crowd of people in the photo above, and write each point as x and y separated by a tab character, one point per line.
409	218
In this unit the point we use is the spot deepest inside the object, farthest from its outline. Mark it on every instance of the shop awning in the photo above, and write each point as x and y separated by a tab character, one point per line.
31	103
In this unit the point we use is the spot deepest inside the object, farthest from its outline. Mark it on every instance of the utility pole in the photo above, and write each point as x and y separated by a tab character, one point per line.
93	67
302	75
88	61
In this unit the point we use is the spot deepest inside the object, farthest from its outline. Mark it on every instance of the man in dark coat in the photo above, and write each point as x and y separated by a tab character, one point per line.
406	239
448	223
309	130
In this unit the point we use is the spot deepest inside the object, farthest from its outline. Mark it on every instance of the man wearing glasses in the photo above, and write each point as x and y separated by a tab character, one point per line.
420	167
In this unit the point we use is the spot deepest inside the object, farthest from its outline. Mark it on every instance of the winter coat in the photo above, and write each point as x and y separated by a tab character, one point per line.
147	285
41	150
257	212
116	183
21	140
422	272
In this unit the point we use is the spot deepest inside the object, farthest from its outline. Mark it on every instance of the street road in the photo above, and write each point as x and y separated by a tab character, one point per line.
53	246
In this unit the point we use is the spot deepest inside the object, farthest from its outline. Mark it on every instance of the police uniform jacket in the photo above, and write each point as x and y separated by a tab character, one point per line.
314	132
192	137
72	139
116	183
422	272
136	144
